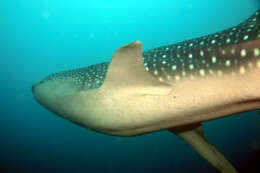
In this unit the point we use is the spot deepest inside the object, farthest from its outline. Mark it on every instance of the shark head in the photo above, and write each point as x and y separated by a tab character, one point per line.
68	93
68	82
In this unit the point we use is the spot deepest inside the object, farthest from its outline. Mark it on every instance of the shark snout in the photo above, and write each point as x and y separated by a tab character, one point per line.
39	91
33	88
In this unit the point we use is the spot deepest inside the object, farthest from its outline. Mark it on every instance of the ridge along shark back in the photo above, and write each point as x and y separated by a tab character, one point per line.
174	87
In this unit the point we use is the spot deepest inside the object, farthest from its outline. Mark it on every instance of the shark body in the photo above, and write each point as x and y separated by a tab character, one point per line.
163	88
191	81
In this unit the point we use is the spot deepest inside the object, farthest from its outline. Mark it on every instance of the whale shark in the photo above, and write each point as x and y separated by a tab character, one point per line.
173	87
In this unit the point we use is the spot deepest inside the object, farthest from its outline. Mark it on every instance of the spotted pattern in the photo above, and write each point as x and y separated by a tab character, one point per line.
86	78
207	55
216	54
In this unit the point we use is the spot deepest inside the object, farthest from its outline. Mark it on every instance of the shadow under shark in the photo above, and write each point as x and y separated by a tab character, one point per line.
174	87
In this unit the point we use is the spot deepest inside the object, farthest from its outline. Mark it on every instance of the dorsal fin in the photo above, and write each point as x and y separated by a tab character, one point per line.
126	69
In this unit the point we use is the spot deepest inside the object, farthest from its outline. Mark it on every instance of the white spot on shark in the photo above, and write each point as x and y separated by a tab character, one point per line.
202	72
201	53
256	52
242	70
174	67
191	66
228	40
161	79
245	37
228	63
214	59
243	52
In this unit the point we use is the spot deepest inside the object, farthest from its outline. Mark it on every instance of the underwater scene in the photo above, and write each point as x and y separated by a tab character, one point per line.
130	86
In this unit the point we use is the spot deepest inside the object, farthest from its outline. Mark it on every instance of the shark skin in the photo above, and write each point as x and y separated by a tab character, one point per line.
173	87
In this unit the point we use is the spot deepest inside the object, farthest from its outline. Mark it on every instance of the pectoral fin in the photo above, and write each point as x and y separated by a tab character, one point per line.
193	134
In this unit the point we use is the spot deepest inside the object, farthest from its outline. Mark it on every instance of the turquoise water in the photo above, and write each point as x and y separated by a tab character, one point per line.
45	36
